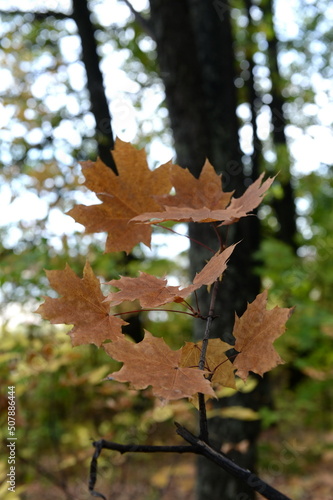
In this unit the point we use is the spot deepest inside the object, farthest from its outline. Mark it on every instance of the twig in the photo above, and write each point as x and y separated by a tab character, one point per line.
225	463
185	236
125	448
197	446
203	422
145	24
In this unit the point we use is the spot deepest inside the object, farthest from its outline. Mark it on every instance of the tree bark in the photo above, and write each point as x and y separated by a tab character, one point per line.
285	206
95	84
195	55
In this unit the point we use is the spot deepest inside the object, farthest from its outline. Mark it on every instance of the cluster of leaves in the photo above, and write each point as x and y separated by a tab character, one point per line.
131	202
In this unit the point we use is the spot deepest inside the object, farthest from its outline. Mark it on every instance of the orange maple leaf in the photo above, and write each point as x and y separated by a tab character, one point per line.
124	196
252	197
217	364
154	292
206	191
255	332
238	207
149	290
82	306
152	363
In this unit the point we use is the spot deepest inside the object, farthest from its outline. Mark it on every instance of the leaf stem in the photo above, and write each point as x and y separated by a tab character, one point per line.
187	236
194	314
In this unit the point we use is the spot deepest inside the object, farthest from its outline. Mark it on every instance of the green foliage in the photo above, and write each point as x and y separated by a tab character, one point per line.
63	403
305	279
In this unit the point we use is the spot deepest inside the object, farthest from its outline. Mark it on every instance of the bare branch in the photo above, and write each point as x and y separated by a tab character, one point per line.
38	16
225	463
145	24
125	448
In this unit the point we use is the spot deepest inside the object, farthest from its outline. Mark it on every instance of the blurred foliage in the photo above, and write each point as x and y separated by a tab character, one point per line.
63	404
46	128
305	280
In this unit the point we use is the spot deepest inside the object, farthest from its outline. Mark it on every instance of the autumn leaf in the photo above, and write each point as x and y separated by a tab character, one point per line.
81	305
123	197
152	363
214	268
187	214
255	333
154	292
252	197
238	207
149	290
217	363
206	191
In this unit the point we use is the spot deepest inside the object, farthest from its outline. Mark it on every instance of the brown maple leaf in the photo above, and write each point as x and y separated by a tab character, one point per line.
149	290
155	292
82	306
217	364
214	268
255	333
152	363
238	207
124	196
206	191
252	197
187	214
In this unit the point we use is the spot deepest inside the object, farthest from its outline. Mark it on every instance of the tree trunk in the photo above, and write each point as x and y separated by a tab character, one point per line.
95	84
195	55
285	206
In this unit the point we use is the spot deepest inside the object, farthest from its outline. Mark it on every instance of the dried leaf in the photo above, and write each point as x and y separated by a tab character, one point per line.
206	191
214	268
186	214
82	306
217	363
252	197
255	333
124	196
149	290
207	211
154	292
152	362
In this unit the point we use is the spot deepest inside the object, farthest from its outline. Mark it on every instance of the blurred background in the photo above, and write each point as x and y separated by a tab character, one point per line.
282	80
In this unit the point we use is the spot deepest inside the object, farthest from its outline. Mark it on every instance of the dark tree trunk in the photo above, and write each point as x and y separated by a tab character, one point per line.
95	84
285	206
195	54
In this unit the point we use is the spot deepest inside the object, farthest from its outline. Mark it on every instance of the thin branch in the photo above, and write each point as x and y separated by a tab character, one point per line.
142	448
185	236
125	448
194	314
145	24
197	446
39	16
203	422
228	465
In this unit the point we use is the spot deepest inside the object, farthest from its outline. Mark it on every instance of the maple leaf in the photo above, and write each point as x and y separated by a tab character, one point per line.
216	363
238	207
149	290
252	197
255	332
123	196
154	292
206	191
187	214
152	363
82	306
214	267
